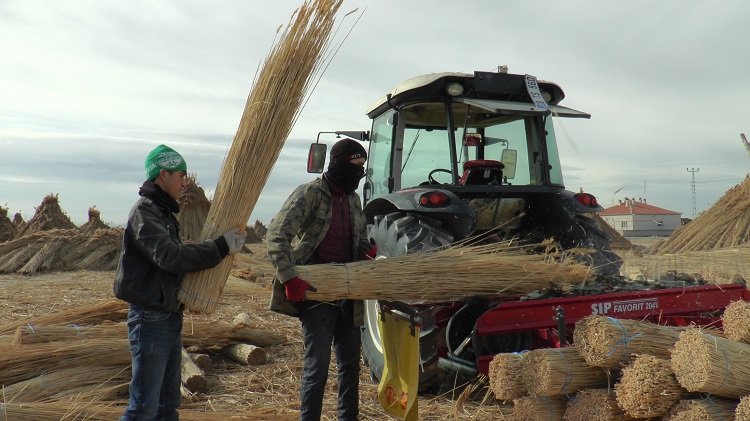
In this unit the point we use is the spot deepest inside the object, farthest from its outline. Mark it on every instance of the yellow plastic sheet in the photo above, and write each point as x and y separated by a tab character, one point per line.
400	380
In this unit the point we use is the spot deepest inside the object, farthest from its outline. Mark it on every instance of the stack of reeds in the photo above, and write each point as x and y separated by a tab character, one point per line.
106	381
506	381
482	270
608	342
271	109
711	364
94	223
742	413
108	311
7	229
194	207
648	387
528	408
706	409
559	371
48	216
595	405
736	321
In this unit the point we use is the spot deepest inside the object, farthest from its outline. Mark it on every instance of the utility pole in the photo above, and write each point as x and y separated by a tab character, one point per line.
692	185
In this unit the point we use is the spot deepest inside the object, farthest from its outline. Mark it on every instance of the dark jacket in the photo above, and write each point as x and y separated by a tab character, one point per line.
153	260
306	214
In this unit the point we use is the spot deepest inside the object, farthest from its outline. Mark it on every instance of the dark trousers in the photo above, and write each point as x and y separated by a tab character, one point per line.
323	325
156	345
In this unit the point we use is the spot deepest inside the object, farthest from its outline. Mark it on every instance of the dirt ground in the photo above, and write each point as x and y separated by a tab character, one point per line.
270	389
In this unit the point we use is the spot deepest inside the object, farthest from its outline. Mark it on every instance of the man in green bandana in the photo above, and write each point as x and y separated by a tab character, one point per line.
152	264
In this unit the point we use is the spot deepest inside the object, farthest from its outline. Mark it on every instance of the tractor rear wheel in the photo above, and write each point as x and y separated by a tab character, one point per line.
397	234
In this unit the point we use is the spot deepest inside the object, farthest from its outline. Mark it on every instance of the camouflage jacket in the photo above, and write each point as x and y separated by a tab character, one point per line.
306	214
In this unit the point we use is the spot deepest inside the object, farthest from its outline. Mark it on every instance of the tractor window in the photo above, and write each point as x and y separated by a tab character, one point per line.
379	155
511	135
425	150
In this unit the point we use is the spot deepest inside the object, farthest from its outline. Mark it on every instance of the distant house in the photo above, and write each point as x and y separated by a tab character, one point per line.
636	218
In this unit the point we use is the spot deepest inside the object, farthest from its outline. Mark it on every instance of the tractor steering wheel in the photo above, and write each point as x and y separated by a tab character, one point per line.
437	170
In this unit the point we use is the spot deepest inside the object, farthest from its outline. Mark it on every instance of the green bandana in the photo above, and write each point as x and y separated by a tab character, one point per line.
163	157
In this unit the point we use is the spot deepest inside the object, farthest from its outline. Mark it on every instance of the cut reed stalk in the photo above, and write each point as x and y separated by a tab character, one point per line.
608	342
558	371
528	408
484	270
710	364
648	387
736	321
707	409
271	109
506	381
595	405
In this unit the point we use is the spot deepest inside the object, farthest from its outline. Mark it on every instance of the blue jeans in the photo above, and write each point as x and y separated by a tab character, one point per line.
324	324
156	345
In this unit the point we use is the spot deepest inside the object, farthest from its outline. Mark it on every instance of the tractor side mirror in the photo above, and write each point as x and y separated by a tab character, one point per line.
509	158
316	158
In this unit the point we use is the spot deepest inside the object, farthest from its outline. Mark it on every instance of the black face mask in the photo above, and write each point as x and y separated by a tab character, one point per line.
346	175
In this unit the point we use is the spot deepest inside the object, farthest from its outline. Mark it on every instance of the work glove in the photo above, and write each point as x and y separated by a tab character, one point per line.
367	251
295	289
235	239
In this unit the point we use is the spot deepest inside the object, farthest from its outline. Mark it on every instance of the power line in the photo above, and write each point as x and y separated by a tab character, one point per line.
692	186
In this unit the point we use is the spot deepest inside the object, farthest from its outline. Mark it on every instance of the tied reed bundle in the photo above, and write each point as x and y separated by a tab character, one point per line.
710	364
538	409
708	409
742	413
608	342
505	376
489	269
736	321
60	382
31	334
269	114
113	310
558	371
595	405
647	387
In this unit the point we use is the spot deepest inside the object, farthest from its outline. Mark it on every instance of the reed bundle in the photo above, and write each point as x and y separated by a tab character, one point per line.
271	109
707	409
742	413
558	371
112	310
505	376
718	266
194	208
736	321
191	375
73	380
30	334
528	408
648	387
608	342
245	354
48	216
710	364
209	334
94	223
24	363
595	405
488	270
7	229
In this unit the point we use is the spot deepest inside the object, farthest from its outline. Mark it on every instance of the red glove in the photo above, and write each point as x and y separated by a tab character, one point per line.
295	289
371	253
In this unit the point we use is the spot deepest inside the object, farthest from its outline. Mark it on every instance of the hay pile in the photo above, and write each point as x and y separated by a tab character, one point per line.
94	223
7	229
726	224
48	216
194	208
18	221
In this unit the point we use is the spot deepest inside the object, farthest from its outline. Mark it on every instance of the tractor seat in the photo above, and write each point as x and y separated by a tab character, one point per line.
482	171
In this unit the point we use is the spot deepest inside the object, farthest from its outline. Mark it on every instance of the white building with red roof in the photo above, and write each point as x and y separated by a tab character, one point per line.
636	218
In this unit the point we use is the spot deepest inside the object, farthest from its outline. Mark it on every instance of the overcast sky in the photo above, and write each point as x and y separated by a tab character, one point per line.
88	87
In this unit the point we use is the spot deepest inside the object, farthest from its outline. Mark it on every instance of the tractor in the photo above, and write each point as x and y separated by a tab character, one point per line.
456	155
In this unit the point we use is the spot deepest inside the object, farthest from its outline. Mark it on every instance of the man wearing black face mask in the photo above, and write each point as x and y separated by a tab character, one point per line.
326	214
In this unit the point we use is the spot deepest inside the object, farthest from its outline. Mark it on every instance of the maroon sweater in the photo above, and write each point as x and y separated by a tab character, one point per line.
336	246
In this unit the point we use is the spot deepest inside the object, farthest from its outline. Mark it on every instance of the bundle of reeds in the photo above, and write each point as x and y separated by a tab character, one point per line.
194	208
710	364
48	216
67	381
736	321
34	334
528	408
706	409
7	229
608	342
94	223
108	311
270	112
489	270
648	387
558	371
595	405
742	413
506	381
191	375
209	334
